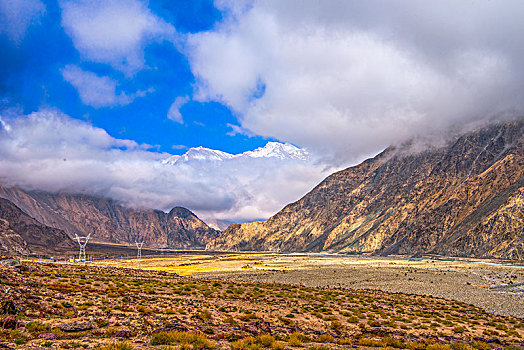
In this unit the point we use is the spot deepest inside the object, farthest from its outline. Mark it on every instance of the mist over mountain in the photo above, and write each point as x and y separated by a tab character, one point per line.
49	151
465	198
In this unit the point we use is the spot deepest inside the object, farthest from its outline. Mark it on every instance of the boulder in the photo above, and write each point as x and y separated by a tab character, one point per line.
123	334
76	326
48	336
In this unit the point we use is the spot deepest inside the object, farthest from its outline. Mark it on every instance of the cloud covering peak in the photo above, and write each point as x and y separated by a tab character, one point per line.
348	78
47	150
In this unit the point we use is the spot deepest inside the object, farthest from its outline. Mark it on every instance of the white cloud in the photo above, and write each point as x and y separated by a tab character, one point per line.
348	78
174	111
97	91
49	151
17	15
114	32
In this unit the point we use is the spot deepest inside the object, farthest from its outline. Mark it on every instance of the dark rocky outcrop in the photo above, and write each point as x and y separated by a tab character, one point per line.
462	199
22	234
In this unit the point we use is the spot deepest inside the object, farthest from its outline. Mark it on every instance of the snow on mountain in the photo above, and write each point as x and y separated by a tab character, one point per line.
278	150
270	150
199	154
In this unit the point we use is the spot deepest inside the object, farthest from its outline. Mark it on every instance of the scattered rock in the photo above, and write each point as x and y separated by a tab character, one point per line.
494	341
175	327
76	326
48	336
123	334
250	329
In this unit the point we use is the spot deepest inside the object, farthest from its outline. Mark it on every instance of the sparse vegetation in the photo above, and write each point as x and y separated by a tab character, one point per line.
116	307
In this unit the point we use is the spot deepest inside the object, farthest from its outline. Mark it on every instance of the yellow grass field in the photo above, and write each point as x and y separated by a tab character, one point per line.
189	264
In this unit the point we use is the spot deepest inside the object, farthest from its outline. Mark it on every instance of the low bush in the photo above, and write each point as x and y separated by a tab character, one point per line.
37	327
117	346
198	341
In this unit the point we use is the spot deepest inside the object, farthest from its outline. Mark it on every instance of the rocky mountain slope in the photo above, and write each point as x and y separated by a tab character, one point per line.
108	221
463	199
21	234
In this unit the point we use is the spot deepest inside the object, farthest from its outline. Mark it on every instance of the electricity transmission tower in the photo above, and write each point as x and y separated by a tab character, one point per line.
82	242
139	251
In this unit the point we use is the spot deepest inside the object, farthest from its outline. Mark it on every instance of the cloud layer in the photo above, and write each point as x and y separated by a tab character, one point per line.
114	32
348	78
97	91
49	151
17	16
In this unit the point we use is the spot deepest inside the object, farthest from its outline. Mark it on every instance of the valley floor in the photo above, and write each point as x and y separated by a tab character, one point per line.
62	306
496	287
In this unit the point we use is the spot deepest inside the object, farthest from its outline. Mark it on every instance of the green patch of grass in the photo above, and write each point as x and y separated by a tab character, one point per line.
21	340
36	327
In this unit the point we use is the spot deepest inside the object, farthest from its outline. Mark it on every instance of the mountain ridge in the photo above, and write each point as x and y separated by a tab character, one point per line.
445	200
110	222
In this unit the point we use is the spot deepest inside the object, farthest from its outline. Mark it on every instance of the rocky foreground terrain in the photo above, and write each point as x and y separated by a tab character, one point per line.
68	307
108	221
462	199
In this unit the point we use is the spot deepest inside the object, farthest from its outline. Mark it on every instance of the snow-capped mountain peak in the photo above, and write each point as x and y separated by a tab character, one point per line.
278	150
270	150
198	154
202	153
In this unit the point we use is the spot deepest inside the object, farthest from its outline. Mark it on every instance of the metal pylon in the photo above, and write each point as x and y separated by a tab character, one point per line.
82	242
139	249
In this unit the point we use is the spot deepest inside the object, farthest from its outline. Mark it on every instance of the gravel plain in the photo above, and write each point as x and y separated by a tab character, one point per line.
496	288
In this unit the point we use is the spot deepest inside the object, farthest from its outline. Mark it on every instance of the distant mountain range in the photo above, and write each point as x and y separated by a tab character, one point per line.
62	215
462	199
270	150
465	198
108	221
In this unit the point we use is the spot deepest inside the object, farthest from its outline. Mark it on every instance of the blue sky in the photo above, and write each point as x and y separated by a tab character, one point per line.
31	79
98	96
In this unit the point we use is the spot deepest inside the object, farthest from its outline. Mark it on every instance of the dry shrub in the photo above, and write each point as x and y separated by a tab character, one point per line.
198	341
117	346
